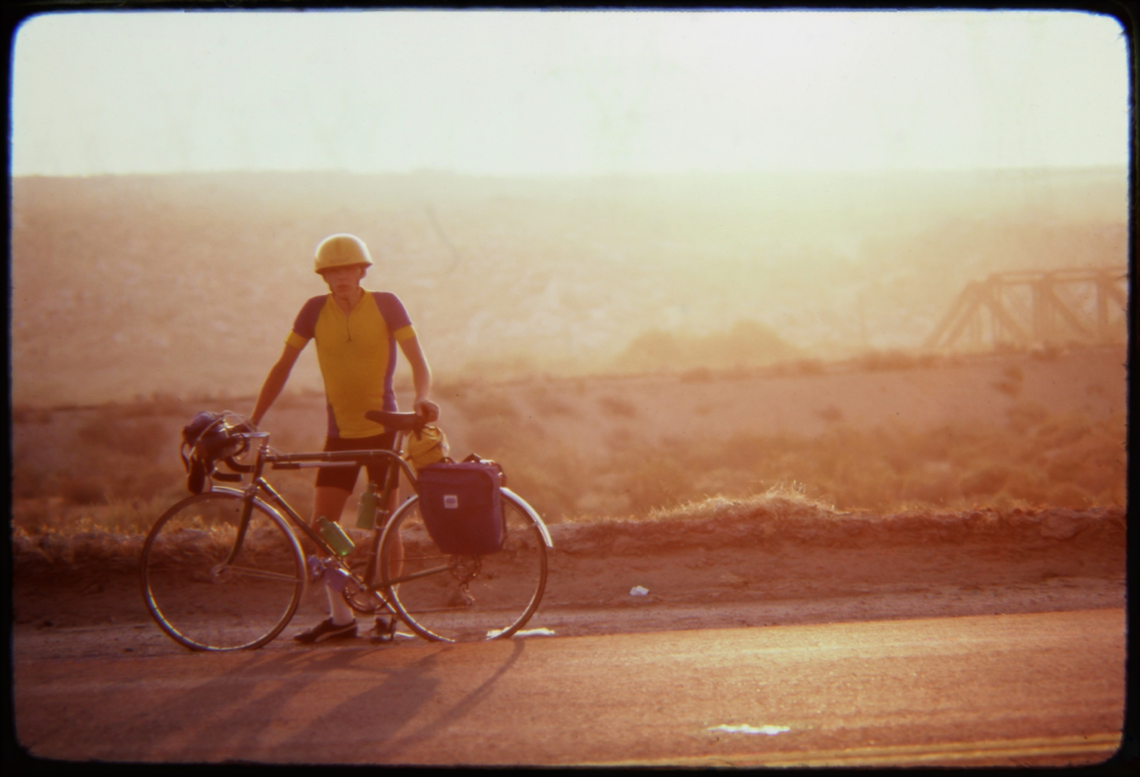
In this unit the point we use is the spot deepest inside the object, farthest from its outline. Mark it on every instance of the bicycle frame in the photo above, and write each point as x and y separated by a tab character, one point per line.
258	485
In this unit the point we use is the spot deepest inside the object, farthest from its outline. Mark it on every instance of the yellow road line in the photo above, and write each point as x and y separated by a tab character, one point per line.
935	753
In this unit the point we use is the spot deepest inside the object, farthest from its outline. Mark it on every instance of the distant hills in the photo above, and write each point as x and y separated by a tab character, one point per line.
187	285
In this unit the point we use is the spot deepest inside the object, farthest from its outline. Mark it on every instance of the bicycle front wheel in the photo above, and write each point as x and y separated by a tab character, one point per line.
205	595
463	598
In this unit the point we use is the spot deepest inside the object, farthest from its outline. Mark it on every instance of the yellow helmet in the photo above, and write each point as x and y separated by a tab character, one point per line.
341	251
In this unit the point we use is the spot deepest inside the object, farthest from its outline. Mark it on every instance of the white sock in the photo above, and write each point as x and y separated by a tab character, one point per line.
341	613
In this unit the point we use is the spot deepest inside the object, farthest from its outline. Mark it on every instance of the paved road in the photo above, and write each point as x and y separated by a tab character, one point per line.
1004	689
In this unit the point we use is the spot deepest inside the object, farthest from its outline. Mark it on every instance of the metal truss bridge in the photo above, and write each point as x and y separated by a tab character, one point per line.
1031	308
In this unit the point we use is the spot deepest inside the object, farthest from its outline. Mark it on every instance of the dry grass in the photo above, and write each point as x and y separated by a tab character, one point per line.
783	499
1034	461
115	467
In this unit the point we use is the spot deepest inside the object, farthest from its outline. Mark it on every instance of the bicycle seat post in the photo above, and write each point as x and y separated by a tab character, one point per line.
391	480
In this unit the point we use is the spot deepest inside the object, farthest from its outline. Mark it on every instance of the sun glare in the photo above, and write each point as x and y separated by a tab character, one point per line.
566	92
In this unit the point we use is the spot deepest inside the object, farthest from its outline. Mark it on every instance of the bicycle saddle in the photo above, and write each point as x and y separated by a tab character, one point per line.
393	421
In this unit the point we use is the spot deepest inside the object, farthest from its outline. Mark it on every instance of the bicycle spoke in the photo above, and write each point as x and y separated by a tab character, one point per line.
201	601
472	597
264	574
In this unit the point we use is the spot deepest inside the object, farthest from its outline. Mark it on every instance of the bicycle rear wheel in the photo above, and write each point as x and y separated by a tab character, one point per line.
463	598
203	599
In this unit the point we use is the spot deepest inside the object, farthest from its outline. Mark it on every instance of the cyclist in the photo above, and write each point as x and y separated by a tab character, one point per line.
356	332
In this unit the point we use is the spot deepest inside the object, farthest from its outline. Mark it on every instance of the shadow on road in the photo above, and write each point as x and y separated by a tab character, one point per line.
461	709
305	692
224	706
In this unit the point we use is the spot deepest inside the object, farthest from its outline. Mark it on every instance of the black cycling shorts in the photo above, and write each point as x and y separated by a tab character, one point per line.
345	477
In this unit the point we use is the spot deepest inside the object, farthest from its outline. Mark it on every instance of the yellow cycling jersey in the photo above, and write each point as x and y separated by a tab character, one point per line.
357	356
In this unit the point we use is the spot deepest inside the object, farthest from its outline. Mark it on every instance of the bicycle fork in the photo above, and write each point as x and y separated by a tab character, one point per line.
239	538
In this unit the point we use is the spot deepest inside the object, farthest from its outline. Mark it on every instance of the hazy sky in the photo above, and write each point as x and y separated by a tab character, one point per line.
566	92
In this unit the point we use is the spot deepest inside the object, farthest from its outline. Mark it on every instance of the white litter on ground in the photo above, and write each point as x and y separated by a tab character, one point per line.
746	729
638	591
541	632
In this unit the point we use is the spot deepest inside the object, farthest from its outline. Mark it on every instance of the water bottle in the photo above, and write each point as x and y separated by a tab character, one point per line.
332	534
366	514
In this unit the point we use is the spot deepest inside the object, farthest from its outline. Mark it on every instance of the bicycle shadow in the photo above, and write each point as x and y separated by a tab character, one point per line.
437	725
256	724
266	724
383	711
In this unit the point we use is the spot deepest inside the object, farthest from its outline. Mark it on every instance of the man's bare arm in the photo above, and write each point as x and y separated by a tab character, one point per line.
421	378
275	382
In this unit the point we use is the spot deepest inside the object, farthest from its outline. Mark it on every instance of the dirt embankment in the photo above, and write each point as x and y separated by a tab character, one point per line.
779	555
740	554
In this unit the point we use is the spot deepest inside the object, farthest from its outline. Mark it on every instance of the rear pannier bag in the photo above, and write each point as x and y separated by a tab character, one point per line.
461	507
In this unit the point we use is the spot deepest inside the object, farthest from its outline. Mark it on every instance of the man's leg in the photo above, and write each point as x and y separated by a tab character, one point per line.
333	487
378	474
329	502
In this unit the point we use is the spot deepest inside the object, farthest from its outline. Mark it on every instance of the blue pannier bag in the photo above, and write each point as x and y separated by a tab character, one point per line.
461	505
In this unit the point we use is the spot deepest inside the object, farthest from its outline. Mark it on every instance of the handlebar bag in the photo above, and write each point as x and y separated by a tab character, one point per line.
207	438
462	507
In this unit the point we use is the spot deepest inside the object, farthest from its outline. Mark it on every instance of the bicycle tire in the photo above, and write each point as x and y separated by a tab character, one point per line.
204	604
505	591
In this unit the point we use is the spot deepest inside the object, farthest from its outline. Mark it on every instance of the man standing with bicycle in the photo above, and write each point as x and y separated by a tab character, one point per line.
356	332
